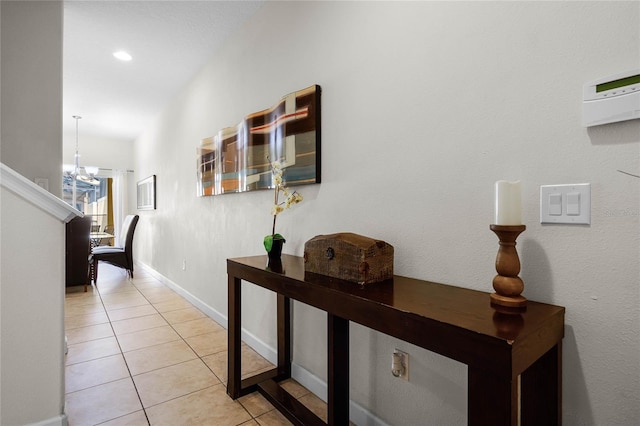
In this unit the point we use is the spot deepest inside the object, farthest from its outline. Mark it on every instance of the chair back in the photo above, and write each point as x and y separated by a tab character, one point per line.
128	245
126	238
124	231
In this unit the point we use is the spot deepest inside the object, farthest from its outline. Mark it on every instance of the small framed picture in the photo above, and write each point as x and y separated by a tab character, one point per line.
147	193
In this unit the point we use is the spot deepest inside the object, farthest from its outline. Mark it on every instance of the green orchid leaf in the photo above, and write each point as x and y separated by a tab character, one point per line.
268	242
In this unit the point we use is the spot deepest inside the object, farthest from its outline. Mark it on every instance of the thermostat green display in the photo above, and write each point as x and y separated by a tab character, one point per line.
611	99
617	84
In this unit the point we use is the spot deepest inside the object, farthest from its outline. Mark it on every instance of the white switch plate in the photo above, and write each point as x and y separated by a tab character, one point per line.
575	204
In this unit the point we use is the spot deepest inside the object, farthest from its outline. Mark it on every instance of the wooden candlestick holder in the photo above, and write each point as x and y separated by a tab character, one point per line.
507	284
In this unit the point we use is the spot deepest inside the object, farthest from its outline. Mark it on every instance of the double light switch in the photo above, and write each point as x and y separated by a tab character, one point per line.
565	203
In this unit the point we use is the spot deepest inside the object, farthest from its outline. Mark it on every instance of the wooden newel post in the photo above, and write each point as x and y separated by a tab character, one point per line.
507	284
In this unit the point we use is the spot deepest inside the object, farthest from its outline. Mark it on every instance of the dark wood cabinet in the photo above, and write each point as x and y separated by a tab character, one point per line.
514	359
77	250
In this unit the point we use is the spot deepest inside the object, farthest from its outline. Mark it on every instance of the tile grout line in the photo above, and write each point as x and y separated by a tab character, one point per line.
122	352
180	338
194	351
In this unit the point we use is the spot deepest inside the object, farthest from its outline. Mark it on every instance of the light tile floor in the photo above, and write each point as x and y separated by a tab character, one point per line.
140	354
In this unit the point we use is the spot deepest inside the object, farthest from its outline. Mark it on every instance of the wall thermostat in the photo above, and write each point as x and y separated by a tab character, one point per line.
611	99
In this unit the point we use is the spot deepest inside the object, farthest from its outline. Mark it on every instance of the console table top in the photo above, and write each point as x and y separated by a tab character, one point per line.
453	321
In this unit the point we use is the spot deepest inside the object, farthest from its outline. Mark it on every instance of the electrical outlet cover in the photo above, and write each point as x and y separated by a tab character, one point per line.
403	359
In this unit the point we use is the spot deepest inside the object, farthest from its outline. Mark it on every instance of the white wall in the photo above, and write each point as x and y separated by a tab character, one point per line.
32	312
96	151
31	130
424	106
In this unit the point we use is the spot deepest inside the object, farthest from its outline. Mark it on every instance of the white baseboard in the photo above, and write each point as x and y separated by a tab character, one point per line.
60	420
357	413
211	313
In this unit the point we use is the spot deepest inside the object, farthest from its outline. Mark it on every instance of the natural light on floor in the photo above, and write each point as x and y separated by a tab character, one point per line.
140	354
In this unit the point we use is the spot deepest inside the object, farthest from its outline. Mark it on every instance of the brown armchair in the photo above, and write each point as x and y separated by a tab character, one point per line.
120	255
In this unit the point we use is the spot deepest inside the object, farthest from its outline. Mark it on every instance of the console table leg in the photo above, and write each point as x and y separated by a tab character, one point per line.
491	400
338	374
234	340
284	336
542	390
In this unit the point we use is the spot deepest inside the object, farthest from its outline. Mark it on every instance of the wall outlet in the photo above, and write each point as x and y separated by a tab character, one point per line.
400	364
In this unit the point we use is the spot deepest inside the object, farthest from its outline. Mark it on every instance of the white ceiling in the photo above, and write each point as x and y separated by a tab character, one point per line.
169	41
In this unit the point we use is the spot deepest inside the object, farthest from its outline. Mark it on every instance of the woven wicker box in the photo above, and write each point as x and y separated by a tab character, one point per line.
349	257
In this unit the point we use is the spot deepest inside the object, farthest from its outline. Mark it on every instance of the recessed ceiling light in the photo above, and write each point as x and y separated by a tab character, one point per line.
122	55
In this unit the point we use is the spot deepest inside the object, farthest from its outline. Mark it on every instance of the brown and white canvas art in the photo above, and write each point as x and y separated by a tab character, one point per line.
239	158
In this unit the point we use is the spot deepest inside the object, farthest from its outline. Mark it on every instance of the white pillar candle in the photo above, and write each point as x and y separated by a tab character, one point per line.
508	203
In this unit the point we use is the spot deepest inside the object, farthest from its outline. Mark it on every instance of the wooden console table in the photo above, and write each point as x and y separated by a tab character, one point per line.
514	361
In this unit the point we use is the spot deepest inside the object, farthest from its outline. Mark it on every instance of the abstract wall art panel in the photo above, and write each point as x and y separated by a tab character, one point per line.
239	158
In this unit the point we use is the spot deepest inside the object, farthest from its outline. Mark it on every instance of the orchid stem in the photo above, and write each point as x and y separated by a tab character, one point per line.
273	230
275	203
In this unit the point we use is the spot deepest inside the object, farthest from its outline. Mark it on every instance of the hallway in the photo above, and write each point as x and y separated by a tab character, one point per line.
140	354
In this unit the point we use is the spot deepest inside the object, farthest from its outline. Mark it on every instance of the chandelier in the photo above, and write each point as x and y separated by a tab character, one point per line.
86	175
